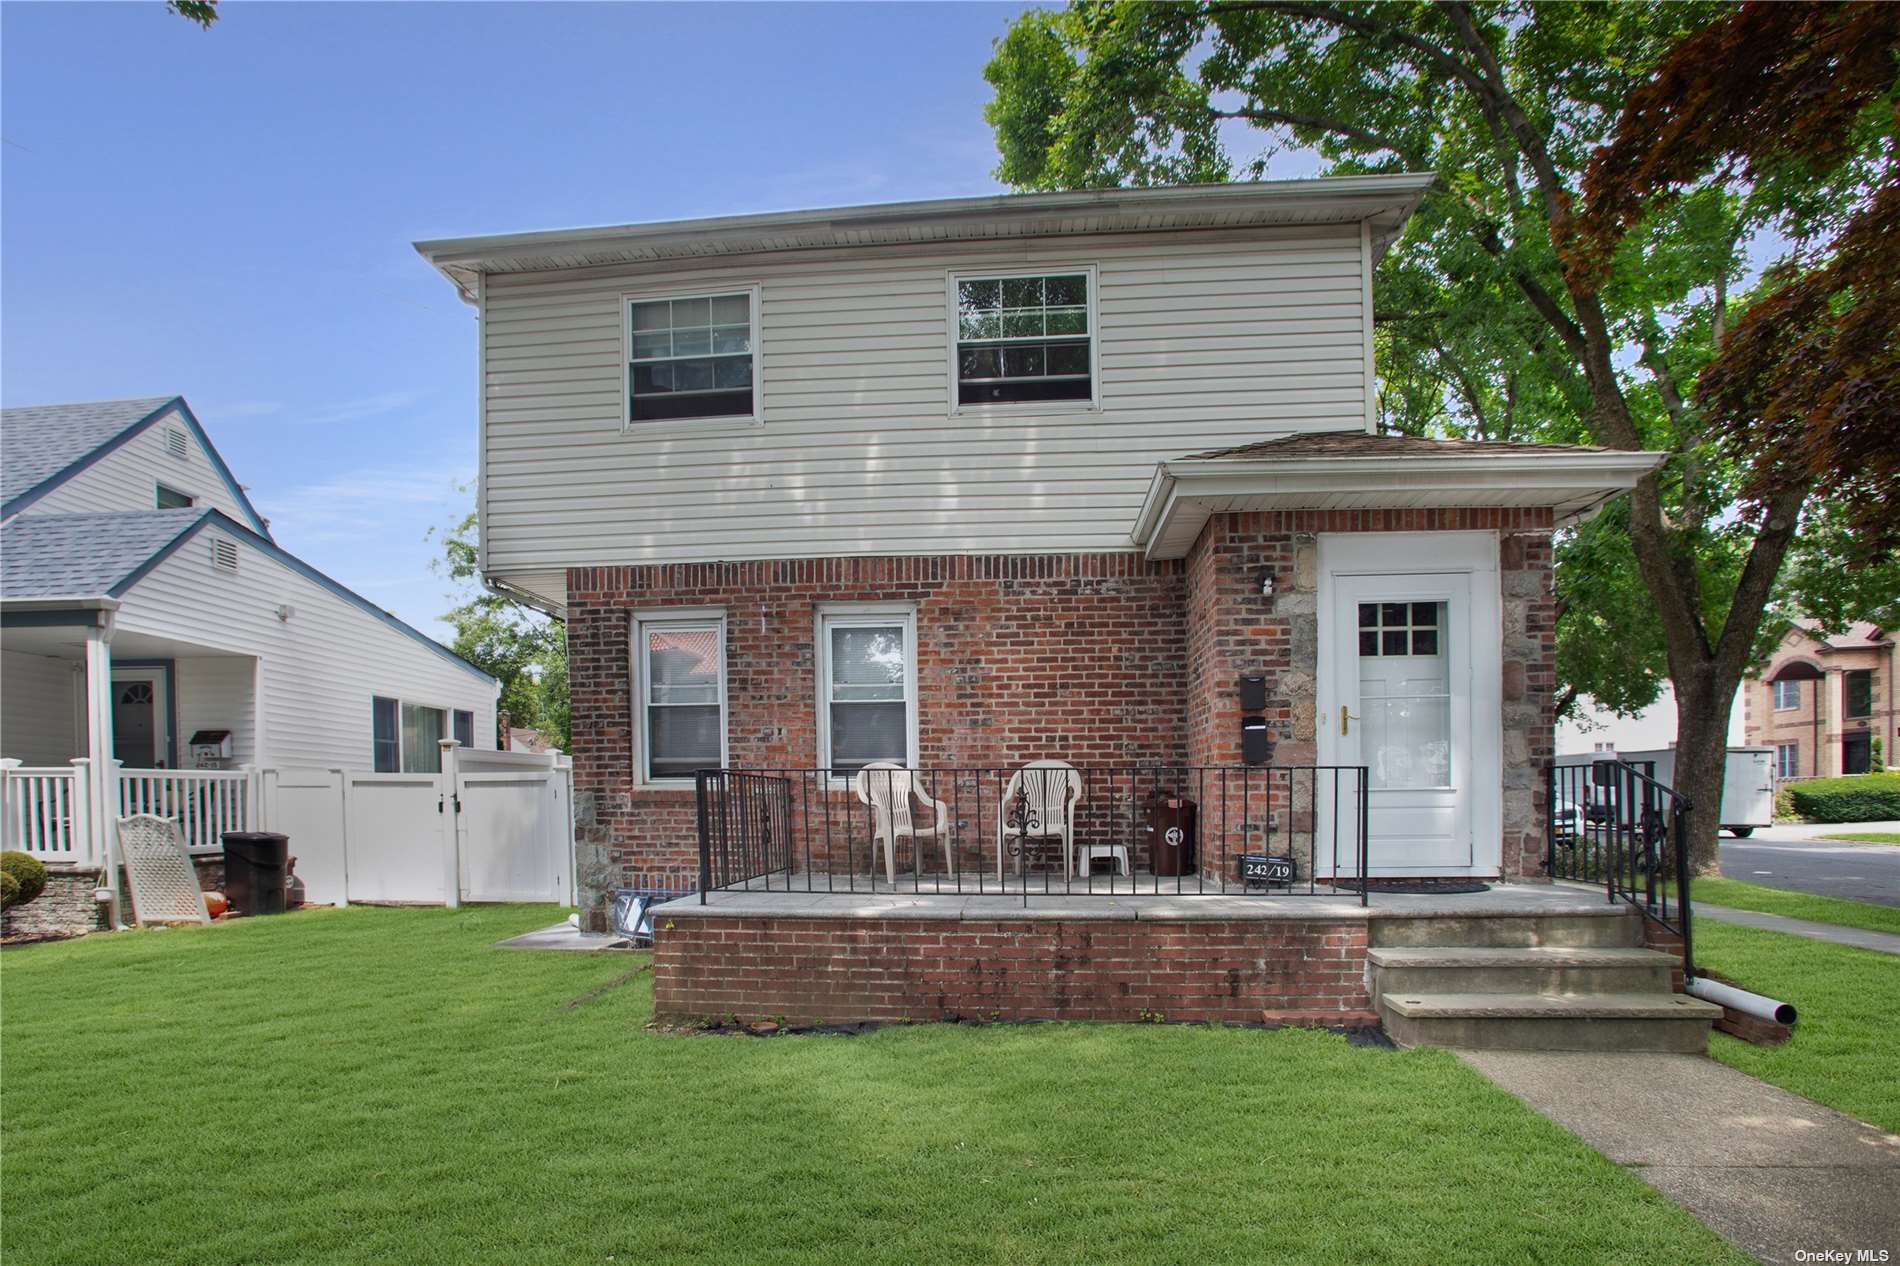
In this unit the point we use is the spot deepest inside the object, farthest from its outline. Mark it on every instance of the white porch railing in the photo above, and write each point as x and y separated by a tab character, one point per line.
205	802
43	811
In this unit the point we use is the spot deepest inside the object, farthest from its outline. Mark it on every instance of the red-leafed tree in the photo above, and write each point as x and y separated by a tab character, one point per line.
1804	390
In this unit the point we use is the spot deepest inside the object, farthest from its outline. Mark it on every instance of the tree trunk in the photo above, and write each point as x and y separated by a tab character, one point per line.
1702	712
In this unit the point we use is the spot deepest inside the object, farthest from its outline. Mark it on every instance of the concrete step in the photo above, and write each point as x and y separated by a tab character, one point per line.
1546	1022
1545	969
1589	926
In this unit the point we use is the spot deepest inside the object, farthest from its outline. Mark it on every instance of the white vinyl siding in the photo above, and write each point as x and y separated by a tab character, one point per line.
128	478
214	692
1203	340
320	669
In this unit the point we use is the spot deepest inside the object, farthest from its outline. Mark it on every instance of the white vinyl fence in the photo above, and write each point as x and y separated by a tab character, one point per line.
491	826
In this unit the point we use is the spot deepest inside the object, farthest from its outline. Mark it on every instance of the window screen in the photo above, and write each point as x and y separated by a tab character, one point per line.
684	723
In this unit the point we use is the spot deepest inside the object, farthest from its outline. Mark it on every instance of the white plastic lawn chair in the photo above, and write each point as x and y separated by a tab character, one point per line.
159	873
889	789
1049	790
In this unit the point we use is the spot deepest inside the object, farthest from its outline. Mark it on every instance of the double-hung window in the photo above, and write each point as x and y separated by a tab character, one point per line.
1857	693
680	693
693	356
1787	760
867	687
1787	695
1024	339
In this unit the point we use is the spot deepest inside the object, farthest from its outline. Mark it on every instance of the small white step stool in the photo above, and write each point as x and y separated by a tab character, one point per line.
1085	855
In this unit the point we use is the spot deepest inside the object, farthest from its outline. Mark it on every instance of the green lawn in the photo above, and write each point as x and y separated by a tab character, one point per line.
380	1085
1845	1049
1866	837
1738	895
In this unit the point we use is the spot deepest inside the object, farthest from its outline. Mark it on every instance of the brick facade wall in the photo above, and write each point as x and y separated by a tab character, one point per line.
818	971
1097	659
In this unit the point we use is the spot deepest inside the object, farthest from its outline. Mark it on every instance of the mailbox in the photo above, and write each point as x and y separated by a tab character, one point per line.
210	749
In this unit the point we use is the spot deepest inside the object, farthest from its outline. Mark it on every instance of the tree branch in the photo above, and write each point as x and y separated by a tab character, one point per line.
1264	114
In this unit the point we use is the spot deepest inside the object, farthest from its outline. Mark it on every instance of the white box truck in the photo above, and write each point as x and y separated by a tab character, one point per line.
1748	785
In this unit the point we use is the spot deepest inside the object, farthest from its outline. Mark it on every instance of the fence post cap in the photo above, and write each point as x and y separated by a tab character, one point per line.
10	762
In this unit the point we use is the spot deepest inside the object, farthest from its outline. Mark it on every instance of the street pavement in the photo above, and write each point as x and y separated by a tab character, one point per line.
1790	857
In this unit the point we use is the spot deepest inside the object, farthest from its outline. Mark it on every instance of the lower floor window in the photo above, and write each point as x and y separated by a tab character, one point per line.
1787	760
465	728
867	688
406	738
680	692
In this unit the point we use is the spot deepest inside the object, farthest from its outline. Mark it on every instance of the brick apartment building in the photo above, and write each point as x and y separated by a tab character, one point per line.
1823	700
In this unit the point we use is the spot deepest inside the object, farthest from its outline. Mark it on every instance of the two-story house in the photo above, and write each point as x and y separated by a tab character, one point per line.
966	484
1824	701
155	639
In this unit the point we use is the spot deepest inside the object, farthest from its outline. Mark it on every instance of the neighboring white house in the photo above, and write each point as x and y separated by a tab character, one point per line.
1594	728
147	616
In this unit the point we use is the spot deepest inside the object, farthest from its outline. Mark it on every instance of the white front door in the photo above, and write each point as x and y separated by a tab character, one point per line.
1408	672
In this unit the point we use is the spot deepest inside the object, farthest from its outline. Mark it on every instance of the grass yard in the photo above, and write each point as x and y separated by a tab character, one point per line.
1739	895
1866	837
1845	1049
380	1085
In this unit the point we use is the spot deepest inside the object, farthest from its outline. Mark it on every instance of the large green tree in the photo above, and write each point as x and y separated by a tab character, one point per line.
1481	329
522	648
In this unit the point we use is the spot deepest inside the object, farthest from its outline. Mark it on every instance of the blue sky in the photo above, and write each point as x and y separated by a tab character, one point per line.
227	214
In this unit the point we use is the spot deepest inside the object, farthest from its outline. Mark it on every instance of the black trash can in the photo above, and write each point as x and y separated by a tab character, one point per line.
1171	836
255	866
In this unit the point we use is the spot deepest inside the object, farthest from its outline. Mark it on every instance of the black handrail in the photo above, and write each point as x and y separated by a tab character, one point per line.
1236	830
1611	822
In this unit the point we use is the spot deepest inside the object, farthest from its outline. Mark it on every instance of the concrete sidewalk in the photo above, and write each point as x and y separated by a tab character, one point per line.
1860	938
1769	1171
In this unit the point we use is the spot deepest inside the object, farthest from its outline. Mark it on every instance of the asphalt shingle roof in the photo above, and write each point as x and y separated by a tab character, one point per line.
82	555
1359	444
39	441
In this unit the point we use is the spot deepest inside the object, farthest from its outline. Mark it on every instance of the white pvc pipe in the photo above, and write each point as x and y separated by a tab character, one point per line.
1741	1000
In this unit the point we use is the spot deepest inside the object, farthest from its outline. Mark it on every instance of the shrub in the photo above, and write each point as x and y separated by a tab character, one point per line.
28	875
9	889
1856	798
1784	805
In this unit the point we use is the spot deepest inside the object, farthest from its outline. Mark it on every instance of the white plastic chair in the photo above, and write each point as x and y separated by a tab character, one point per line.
1050	790
889	788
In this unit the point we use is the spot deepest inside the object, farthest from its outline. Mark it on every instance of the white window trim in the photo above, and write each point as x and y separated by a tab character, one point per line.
697	426
831	615
713	618
1793	749
159	485
1024	408
1774	689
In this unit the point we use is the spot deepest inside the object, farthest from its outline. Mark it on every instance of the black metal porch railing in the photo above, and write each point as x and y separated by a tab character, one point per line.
1262	831
1612	823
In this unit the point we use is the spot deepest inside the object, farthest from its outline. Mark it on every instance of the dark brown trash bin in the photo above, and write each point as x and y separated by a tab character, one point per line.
255	866
1171	836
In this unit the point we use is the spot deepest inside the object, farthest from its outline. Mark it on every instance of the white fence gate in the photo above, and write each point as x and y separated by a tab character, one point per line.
492	826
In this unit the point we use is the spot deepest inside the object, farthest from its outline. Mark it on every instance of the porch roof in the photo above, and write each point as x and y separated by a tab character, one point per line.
85	555
1350	470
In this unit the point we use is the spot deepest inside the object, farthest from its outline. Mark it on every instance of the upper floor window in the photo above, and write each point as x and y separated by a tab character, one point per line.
1787	695
172	499
1024	339
693	356
1857	687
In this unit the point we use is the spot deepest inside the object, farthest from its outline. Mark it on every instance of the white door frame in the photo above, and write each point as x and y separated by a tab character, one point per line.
1474	554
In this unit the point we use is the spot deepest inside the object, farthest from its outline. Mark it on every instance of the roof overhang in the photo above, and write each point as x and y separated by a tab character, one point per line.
83	610
1383	202
1186	492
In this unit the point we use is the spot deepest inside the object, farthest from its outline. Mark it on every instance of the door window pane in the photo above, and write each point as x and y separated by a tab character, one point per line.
1405	696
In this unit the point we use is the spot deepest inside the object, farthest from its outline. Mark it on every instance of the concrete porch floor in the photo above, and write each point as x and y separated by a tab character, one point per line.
902	903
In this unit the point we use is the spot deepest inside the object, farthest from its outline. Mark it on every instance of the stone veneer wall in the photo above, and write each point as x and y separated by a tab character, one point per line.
66	907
